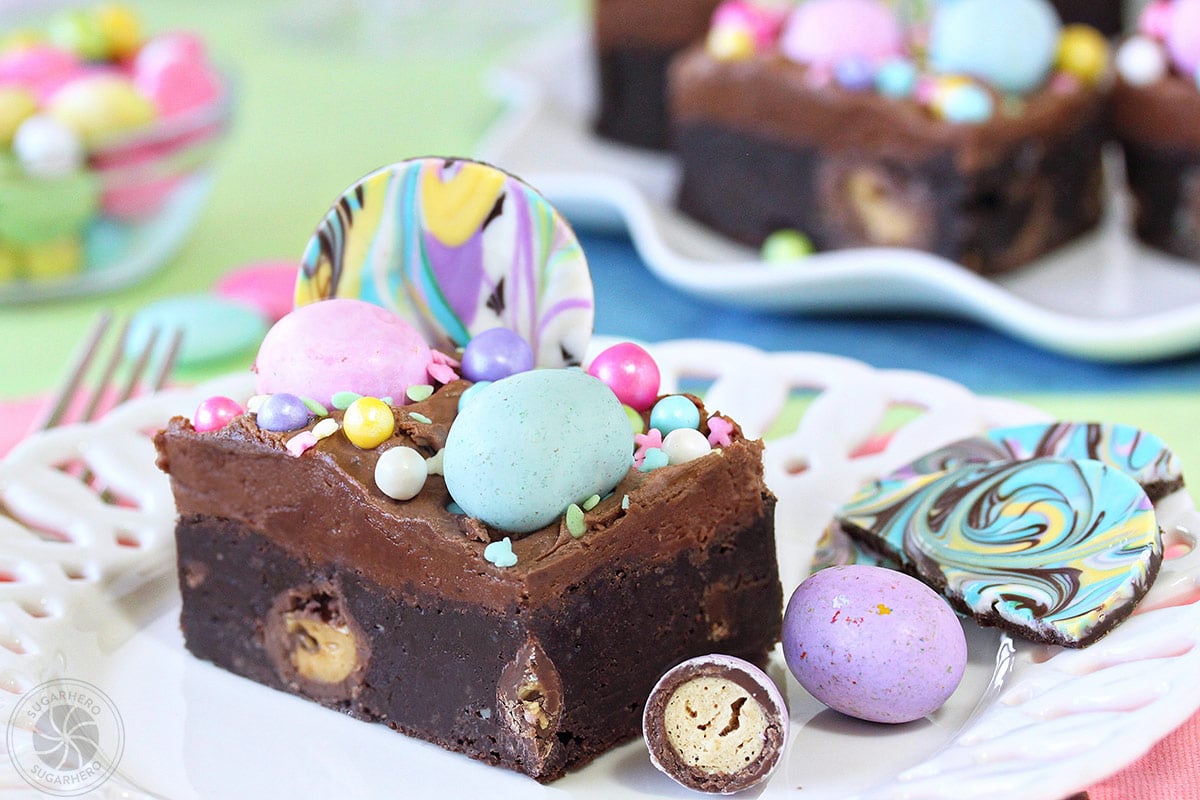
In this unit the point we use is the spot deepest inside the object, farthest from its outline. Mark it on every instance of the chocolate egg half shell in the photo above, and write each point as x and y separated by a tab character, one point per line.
873	643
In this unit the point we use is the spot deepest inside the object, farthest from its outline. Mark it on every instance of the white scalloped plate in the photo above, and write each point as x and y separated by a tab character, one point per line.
95	600
1104	298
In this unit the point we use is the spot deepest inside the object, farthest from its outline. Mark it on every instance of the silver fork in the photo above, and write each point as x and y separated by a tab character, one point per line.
86	355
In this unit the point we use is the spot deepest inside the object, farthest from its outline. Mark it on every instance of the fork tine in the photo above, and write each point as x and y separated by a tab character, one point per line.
101	390
106	376
76	372
139	366
168	361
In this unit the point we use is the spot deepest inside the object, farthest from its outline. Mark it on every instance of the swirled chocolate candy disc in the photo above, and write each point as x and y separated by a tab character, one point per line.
456	247
1054	550
1138	453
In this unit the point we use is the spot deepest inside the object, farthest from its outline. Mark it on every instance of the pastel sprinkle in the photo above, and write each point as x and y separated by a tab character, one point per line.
501	553
442	373
576	525
896	78
316	408
433	464
645	442
786	246
419	417
441	358
255	403
655	459
591	502
719	430
422	391
368	422
214	413
624	502
635	419
326	428
300	442
342	400
674	411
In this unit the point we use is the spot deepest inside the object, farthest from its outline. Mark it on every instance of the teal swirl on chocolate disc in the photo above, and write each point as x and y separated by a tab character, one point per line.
1060	549
1138	453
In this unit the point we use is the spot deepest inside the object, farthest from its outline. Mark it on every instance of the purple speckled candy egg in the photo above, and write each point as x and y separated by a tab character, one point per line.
342	345
873	643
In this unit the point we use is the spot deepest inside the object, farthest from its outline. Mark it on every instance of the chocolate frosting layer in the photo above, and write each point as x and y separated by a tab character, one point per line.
656	25
245	474
769	96
1165	114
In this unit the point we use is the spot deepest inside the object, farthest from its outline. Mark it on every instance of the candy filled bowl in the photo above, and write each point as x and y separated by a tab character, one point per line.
107	146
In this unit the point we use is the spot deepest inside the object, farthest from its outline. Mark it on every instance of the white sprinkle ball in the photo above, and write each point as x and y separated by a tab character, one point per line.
1141	61
400	473
685	444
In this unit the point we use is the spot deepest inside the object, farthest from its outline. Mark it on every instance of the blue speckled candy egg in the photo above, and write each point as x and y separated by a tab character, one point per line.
531	444
873	643
1010	44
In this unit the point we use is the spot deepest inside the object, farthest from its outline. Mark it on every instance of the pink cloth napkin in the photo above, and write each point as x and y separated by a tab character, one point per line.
1170	771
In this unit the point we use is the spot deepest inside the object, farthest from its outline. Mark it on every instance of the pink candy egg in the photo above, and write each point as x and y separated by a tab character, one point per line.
42	69
177	85
1155	19
214	413
342	345
631	374
824	33
1183	36
173	46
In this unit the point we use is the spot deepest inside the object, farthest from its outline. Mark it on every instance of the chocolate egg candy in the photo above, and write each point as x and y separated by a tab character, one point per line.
528	446
342	345
1011	45
873	643
824	33
716	724
456	247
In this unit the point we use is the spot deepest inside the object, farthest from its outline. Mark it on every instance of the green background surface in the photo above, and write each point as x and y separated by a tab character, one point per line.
325	95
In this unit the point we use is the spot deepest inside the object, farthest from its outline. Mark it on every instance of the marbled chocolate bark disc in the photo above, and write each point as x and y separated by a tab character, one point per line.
456	247
1056	551
1138	453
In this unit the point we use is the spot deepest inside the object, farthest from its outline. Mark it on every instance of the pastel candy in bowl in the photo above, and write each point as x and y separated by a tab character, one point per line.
456	247
116	128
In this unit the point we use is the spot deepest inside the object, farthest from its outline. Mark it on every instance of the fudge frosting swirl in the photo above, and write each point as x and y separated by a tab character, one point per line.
1138	453
1058	548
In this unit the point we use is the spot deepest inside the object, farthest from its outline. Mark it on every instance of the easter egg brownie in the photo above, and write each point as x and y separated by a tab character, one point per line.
971	129
501	567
